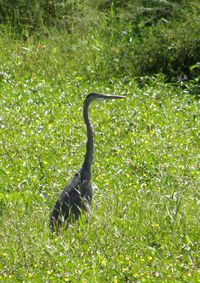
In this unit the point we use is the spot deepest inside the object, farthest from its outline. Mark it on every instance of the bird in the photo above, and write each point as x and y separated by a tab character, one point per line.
76	196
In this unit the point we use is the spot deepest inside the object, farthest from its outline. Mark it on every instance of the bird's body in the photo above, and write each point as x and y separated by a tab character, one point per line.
77	194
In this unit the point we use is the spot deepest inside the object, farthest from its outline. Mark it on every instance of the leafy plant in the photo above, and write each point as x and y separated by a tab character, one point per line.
144	225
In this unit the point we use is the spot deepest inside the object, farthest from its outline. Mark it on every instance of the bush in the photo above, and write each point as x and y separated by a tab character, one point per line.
106	39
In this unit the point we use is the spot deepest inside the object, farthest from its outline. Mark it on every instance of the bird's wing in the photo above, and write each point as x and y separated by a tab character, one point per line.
72	190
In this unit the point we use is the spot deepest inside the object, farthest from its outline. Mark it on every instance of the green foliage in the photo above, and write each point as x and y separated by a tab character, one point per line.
145	221
145	43
109	39
27	17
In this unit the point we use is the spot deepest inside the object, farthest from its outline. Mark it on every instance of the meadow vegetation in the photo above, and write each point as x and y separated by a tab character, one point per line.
145	221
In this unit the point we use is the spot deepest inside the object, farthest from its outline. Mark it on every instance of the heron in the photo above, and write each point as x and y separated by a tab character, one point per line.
77	195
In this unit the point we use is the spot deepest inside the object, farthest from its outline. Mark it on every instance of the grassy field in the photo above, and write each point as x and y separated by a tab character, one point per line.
144	225
145	221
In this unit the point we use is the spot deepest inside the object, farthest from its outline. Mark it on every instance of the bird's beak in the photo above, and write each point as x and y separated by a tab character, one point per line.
114	97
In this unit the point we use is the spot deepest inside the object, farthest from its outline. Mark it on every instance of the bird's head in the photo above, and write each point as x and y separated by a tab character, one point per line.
101	96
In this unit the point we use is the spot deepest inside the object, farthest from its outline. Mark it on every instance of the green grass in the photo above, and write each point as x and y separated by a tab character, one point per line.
145	221
105	40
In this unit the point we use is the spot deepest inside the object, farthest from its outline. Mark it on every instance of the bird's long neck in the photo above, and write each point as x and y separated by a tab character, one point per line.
87	165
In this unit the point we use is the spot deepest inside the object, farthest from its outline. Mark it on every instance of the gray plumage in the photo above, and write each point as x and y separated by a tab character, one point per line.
77	194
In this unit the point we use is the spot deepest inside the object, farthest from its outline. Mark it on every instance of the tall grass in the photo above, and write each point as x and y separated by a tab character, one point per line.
145	221
107	39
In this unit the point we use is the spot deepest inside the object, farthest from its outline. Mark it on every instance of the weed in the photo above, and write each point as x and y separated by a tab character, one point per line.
144	225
